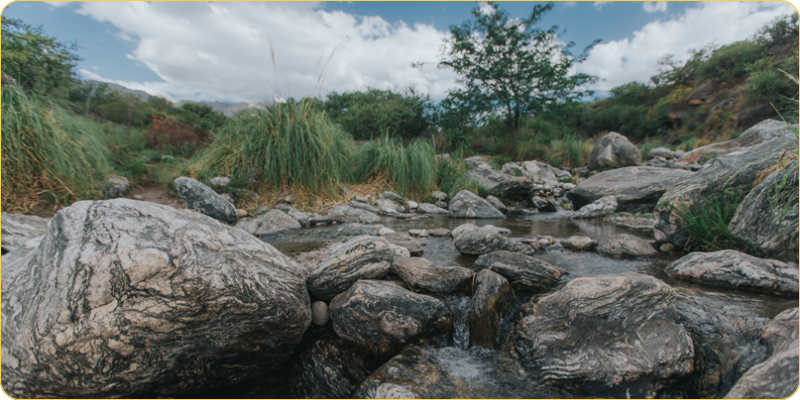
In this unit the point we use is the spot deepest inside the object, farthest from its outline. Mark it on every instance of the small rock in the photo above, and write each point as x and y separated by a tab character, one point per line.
523	271
666	247
319	313
496	203
276	221
439	196
369	218
393	196
385	231
600	208
239	212
115	187
441	204
730	268
439	232
361	199
325	220
461	229
202	198
584	243
430	209
412	205
625	245
466	204
420	273
363	257
413	245
399	251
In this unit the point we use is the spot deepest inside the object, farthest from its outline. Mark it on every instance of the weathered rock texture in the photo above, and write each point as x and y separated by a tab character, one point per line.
115	187
126	298
492	297
615	151
515	188
413	246
625	245
486	176
739	169
731	268
539	172
381	315
578	243
600	208
431	209
524	272
363	257
479	241
18	229
496	203
615	335
420	273
635	188
777	377
763	131
276	221
466	204
202	198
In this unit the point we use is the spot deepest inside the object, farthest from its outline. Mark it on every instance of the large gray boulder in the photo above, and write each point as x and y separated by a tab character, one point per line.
466	204
768	218
759	133
482	240
739	170
492	297
420	273
487	177
776	377
625	245
127	298
539	172
496	203
612	336
18	229
614	151
276	221
635	188
363	257
516	188
730	268
603	207
524	272
381	315
202	198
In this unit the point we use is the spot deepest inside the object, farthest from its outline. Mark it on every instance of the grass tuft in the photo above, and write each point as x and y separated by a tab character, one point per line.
409	169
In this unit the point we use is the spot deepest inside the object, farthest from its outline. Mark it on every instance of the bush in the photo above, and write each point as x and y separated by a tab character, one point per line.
499	161
375	113
451	177
729	62
48	154
570	151
649	145
291	144
408	170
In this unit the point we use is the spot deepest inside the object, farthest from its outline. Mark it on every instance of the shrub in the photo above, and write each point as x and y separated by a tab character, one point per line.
451	177
649	145
48	154
408	169
570	151
499	161
728	62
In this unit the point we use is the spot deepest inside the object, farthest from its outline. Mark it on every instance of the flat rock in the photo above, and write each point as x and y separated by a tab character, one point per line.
18	229
120	290
584	243
611	336
439	232
276	221
202	198
328	220
466	204
524	272
364	207
602	207
625	245
413	246
492	297
381	315
479	241
615	151
363	257
430	209
634	188
730	268
420	273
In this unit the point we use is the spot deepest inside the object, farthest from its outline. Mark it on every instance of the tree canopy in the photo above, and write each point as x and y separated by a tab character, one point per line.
373	113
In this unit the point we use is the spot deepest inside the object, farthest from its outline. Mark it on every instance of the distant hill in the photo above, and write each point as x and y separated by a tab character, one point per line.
226	108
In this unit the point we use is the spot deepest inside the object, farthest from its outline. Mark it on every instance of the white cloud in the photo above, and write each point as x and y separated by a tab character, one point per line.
636	57
485	8
569	4
599	4
654	6
221	50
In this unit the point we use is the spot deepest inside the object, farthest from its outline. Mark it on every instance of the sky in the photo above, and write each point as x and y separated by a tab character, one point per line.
256	51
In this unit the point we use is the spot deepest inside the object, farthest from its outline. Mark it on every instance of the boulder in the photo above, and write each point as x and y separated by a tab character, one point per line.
543	204
387	207
115	187
775	378
492	297
399	251
420	273
393	196
625	245
487	177
202	198
614	151
602	207
539	172
516	188
137	299
761	132
430	209
319	313
479	241
461	229
382	316
611	336
439	232
661	152
413	246
439	195
466	204
364	207
739	169
584	243
369	218
767	217
635	188
513	169
276	221
441	204
18	229
730	268
496	203
412	205
524	272
363	257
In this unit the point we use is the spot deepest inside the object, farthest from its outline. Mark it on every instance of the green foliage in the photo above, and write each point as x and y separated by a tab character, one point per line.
291	144
781	30
408	169
707	220
48	154
570	151
650	145
39	63
375	113
451	177
499	161
768	84
729	62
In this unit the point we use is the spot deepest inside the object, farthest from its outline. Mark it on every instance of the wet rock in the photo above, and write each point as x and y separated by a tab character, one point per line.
364	207
542	204
276	221
439	232
412	205
767	217
363	257
420	273
611	336
625	245
319	313
479	241
381	315
661	152
635	188
439	195
515	188
730	268
461	229
466	204
119	290
776	377
18	229
539	172
496	203
615	151
431	209
413	246
524	272
600	208
202	198
115	187
583	243
492	297
328	220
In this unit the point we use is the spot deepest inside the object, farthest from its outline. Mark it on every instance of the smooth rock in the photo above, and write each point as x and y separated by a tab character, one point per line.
413	246
492	297
635	188
276	221
539	172
202	198
584	243
369	218
439	232
115	187
730	268
363	257
524	272
364	207
439	195
625	245
412	205
461	229
420	273
661	152
600	208
496	203
441	204
319	313
430	209
466	204
615	151
18	229
385	231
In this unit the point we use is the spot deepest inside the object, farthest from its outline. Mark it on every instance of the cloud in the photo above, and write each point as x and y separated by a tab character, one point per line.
569	4
636	57
599	4
654	6
223	50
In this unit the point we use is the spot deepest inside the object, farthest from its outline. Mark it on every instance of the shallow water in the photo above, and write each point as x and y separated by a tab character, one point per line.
750	311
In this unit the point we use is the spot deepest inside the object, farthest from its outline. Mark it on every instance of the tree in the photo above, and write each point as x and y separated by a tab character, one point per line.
38	63
510	66
371	114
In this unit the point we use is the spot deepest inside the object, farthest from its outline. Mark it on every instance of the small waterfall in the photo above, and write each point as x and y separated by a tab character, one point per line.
459	306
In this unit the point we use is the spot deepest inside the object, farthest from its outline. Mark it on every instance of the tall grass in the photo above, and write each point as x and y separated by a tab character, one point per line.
707	221
451	177
290	144
409	169
570	151
49	155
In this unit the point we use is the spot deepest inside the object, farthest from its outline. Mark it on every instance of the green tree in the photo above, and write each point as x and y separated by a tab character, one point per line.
371	114
37	62
511	66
